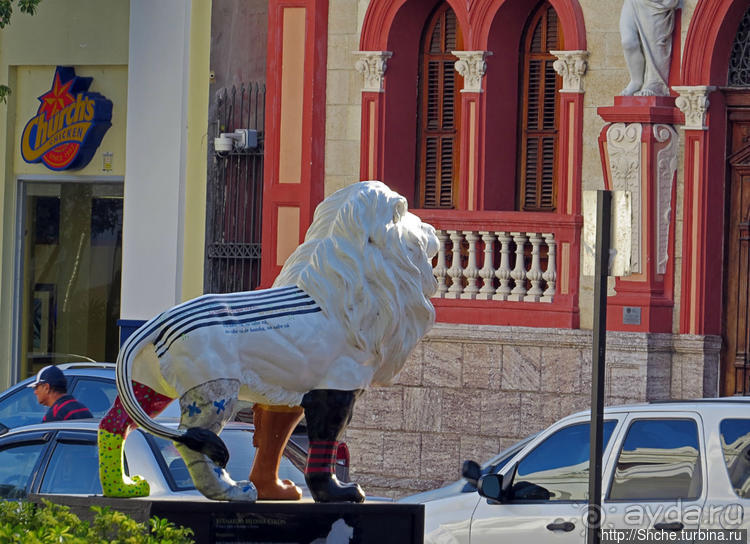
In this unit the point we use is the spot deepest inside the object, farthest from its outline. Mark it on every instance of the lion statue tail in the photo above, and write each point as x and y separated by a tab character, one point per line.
195	438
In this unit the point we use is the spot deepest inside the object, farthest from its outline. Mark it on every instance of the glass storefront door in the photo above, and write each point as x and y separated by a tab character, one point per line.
71	262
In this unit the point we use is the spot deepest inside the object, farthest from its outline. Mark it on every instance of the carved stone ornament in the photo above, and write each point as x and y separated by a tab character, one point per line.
624	151
372	65
471	66
666	166
571	66
693	102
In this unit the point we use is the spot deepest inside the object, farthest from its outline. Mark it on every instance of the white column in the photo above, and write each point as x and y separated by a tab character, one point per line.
156	143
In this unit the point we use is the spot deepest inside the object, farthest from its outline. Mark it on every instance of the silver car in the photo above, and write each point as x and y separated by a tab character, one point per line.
669	469
62	458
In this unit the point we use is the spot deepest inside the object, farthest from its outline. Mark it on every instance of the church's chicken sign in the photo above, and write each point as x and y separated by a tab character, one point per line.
69	124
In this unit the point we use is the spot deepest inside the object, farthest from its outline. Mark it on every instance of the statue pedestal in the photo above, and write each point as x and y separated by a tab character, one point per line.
638	148
268	521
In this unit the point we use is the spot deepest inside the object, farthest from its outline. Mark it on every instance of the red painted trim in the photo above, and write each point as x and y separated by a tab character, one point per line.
708	44
703	229
709	40
467	160
309	192
476	19
559	314
642	109
570	169
378	120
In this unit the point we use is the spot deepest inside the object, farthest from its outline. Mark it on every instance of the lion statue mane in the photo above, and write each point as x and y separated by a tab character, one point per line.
363	260
347	308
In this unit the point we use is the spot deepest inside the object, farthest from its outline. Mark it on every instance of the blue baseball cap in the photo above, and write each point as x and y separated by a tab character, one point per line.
51	375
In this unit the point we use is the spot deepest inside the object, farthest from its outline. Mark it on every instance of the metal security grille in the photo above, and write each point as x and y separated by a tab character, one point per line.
235	194
739	60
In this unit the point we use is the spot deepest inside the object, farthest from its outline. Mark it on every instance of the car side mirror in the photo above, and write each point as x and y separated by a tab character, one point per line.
471	472
490	486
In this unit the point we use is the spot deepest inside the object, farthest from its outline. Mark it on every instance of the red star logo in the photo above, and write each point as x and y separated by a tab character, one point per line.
57	98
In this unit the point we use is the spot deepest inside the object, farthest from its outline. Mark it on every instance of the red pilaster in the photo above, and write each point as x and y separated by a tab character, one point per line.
471	166
295	106
372	153
648	290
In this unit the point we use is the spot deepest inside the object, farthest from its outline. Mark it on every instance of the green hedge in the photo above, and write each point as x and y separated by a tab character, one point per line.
27	523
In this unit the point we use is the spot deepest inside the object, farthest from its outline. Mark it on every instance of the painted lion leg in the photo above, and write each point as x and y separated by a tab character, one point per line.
113	430
209	406
273	427
328	412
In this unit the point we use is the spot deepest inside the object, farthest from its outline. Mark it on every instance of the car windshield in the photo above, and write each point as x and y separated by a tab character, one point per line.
242	452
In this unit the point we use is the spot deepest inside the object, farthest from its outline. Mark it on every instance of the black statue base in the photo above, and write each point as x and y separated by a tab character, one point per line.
304	521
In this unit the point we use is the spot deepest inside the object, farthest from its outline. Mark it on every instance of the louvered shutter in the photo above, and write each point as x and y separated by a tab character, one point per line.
437	171
539	99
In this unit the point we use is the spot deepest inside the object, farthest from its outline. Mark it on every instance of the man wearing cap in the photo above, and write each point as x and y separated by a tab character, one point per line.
51	389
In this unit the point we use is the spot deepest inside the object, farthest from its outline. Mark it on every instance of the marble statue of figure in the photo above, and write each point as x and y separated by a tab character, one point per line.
347	308
646	31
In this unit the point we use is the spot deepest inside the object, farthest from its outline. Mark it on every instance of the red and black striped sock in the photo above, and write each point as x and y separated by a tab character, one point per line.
321	456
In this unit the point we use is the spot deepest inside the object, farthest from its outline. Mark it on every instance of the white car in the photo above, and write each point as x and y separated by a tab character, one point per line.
674	467
61	458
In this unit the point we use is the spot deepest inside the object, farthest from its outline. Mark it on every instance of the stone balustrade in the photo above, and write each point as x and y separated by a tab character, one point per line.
467	265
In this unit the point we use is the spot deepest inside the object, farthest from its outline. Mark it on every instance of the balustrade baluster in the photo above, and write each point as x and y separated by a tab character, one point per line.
503	273
535	272
441	269
519	271
550	275
471	272
455	271
487	272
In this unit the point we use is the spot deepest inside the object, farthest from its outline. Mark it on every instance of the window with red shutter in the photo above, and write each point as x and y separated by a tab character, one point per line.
537	190
438	111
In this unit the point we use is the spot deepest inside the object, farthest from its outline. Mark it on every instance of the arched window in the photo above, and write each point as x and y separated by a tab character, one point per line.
538	112
438	111
739	61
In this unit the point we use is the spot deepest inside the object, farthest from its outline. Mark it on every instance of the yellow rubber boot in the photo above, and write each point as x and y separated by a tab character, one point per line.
111	473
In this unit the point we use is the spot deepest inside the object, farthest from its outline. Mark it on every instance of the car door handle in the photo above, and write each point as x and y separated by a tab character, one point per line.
566	526
669	526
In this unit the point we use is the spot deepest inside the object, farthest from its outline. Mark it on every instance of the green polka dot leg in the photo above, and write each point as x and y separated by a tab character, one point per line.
111	474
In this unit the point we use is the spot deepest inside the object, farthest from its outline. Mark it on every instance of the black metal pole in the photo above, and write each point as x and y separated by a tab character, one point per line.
603	214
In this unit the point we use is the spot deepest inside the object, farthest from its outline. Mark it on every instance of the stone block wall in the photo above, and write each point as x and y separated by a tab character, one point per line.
469	391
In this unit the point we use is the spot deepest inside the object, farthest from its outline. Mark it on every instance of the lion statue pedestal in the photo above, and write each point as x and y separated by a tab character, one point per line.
346	310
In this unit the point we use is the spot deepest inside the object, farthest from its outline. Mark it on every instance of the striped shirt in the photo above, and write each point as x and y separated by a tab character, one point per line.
65	408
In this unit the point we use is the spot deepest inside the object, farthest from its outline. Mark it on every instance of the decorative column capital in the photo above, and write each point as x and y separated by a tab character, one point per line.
372	65
693	102
471	66
571	66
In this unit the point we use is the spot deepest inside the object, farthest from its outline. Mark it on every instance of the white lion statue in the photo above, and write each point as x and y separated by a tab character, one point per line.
346	310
